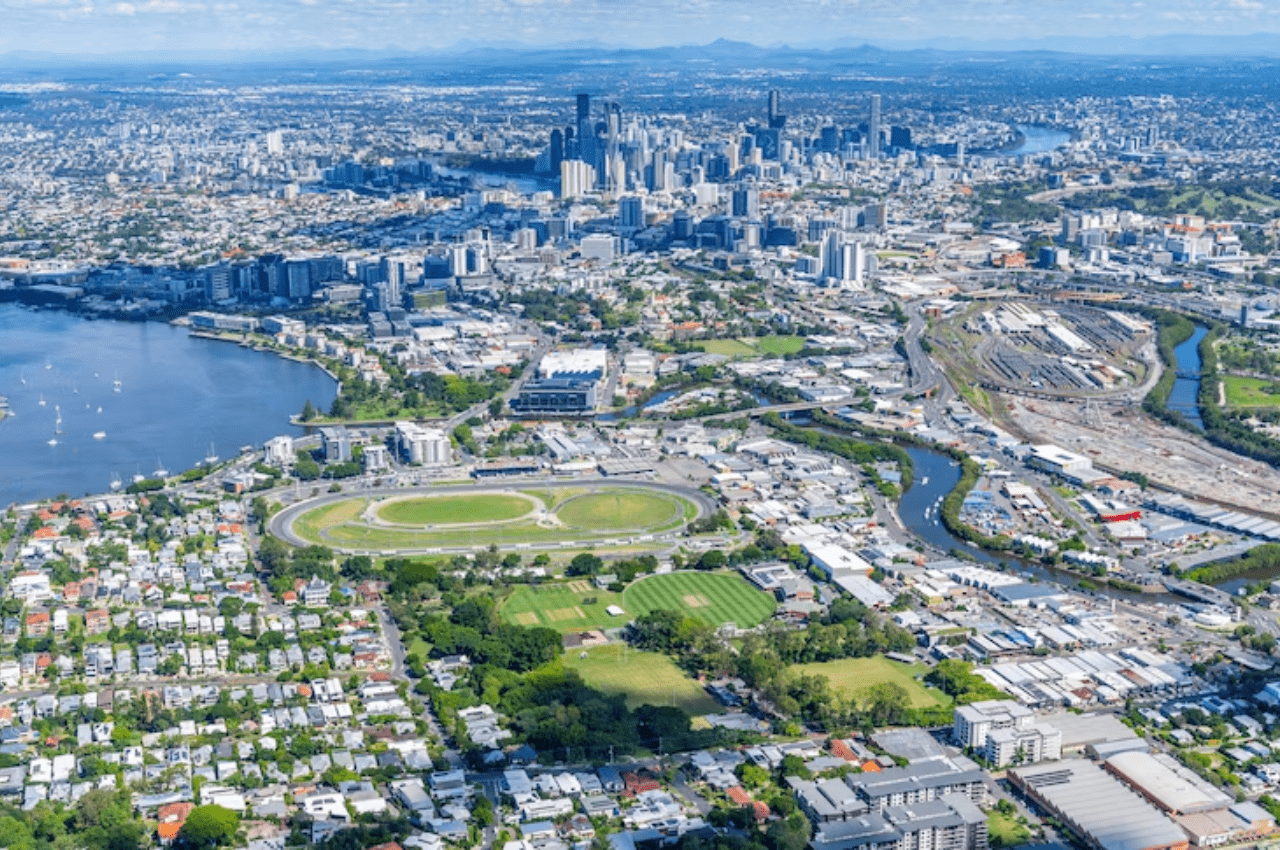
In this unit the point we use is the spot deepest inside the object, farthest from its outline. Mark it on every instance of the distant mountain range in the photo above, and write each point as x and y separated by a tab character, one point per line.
722	51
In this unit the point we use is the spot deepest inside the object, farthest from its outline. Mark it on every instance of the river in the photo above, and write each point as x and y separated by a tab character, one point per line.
933	477
525	184
1185	395
1036	139
179	395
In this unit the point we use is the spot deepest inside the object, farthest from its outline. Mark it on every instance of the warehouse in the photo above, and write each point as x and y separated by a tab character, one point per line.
1059	461
1097	807
1164	782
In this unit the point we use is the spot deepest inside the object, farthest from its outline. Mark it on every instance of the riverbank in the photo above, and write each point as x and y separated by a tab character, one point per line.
242	340
957	535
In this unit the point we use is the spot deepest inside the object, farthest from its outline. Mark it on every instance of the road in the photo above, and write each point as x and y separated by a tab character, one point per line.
1050	195
926	376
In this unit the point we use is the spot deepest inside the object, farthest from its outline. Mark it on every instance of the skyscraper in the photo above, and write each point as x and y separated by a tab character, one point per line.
776	119
842	259
587	147
557	149
615	169
577	178
873	128
631	213
746	202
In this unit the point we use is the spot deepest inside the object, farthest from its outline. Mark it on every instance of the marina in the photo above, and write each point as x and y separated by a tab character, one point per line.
120	396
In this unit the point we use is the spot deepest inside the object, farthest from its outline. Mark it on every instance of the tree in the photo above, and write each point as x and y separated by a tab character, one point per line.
888	703
308	411
752	776
585	564
209	826
712	559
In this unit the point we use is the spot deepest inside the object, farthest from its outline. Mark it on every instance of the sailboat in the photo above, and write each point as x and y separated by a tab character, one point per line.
22	376
160	471
138	476
116	483
41	401
212	457
57	423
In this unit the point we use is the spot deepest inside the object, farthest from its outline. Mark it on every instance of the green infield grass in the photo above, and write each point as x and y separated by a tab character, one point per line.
443	510
619	509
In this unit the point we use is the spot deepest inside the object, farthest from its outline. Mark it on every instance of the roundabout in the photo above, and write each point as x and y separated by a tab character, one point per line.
524	515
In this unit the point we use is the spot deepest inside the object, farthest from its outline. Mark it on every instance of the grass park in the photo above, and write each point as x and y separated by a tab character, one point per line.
556	516
1005	830
644	678
1251	392
852	676
713	598
753	346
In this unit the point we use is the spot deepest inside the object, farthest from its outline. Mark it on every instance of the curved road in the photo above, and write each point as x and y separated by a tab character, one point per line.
281	525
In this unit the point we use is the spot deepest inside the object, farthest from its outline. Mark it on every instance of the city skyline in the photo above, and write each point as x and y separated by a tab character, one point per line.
203	30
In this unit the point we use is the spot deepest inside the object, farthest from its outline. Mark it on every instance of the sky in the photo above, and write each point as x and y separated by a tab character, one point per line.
253	26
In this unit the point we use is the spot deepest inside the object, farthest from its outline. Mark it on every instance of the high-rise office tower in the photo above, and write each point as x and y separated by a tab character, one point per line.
615	170
584	109
776	119
557	149
769	143
746	203
873	128
829	139
631	213
682	225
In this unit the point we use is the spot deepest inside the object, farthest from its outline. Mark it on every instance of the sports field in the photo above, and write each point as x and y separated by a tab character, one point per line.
440	510
729	348
563	606
645	678
598	515
713	598
616	509
1251	392
852	676
753	346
